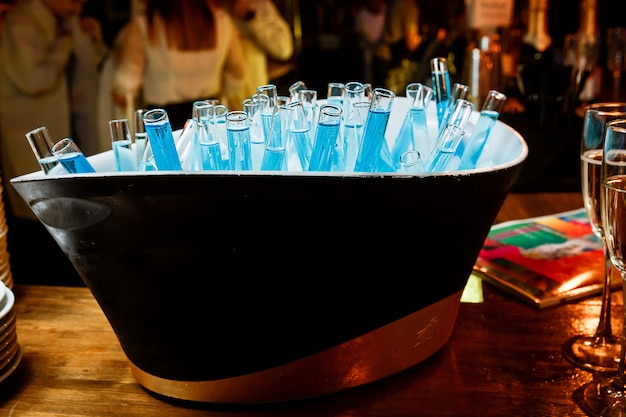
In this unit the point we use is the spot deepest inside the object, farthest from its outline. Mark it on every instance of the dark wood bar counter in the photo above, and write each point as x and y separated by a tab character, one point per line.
503	359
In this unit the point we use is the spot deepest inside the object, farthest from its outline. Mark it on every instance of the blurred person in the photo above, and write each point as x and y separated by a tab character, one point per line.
177	53
402	40
265	35
402	29
5	5
49	59
369	25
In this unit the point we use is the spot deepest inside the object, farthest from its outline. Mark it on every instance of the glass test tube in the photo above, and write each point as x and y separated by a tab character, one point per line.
238	133
413	134
71	157
450	137
208	145
41	144
459	91
218	129
334	94
309	102
257	141
143	152
471	152
374	131
274	154
186	146
354	92
161	139
326	135
295	88
441	86
299	146
121	142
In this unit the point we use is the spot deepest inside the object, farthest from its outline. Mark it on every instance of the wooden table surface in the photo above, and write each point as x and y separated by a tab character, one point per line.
503	359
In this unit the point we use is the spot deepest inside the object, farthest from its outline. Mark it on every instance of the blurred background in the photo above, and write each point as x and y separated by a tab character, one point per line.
550	57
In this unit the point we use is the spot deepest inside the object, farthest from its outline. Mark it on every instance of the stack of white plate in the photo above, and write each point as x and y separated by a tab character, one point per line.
10	351
5	268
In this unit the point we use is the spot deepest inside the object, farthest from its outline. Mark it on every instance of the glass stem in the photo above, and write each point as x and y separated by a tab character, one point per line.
604	326
618	383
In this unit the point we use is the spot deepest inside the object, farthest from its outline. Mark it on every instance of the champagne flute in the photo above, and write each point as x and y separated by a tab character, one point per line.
606	395
616	56
600	351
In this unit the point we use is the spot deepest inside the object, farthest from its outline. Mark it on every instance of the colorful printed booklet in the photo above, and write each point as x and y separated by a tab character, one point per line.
545	260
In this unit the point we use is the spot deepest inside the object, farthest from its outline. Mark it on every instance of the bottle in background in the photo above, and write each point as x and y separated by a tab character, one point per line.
536	67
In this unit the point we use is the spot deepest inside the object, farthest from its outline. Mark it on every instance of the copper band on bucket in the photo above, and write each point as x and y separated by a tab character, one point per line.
375	355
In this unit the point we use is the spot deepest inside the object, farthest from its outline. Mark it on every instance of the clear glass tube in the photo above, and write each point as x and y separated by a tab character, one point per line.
353	135
327	132
295	88
122	143
450	137
143	152
459	91
71	157
471	152
41	144
334	94
413	134
354	91
309	103
257	141
441	86
369	153
218	129
208	144
299	142
274	153
238	133
161	139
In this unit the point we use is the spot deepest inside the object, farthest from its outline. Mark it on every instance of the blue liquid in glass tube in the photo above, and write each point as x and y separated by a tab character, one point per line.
163	146
385	164
141	141
441	85
273	159
335	101
324	146
257	142
272	129
218	129
211	156
351	143
75	163
448	142
413	136
404	140
257	148
239	152
274	155
124	157
470	154
421	140
373	137
302	143
147	158
441	109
